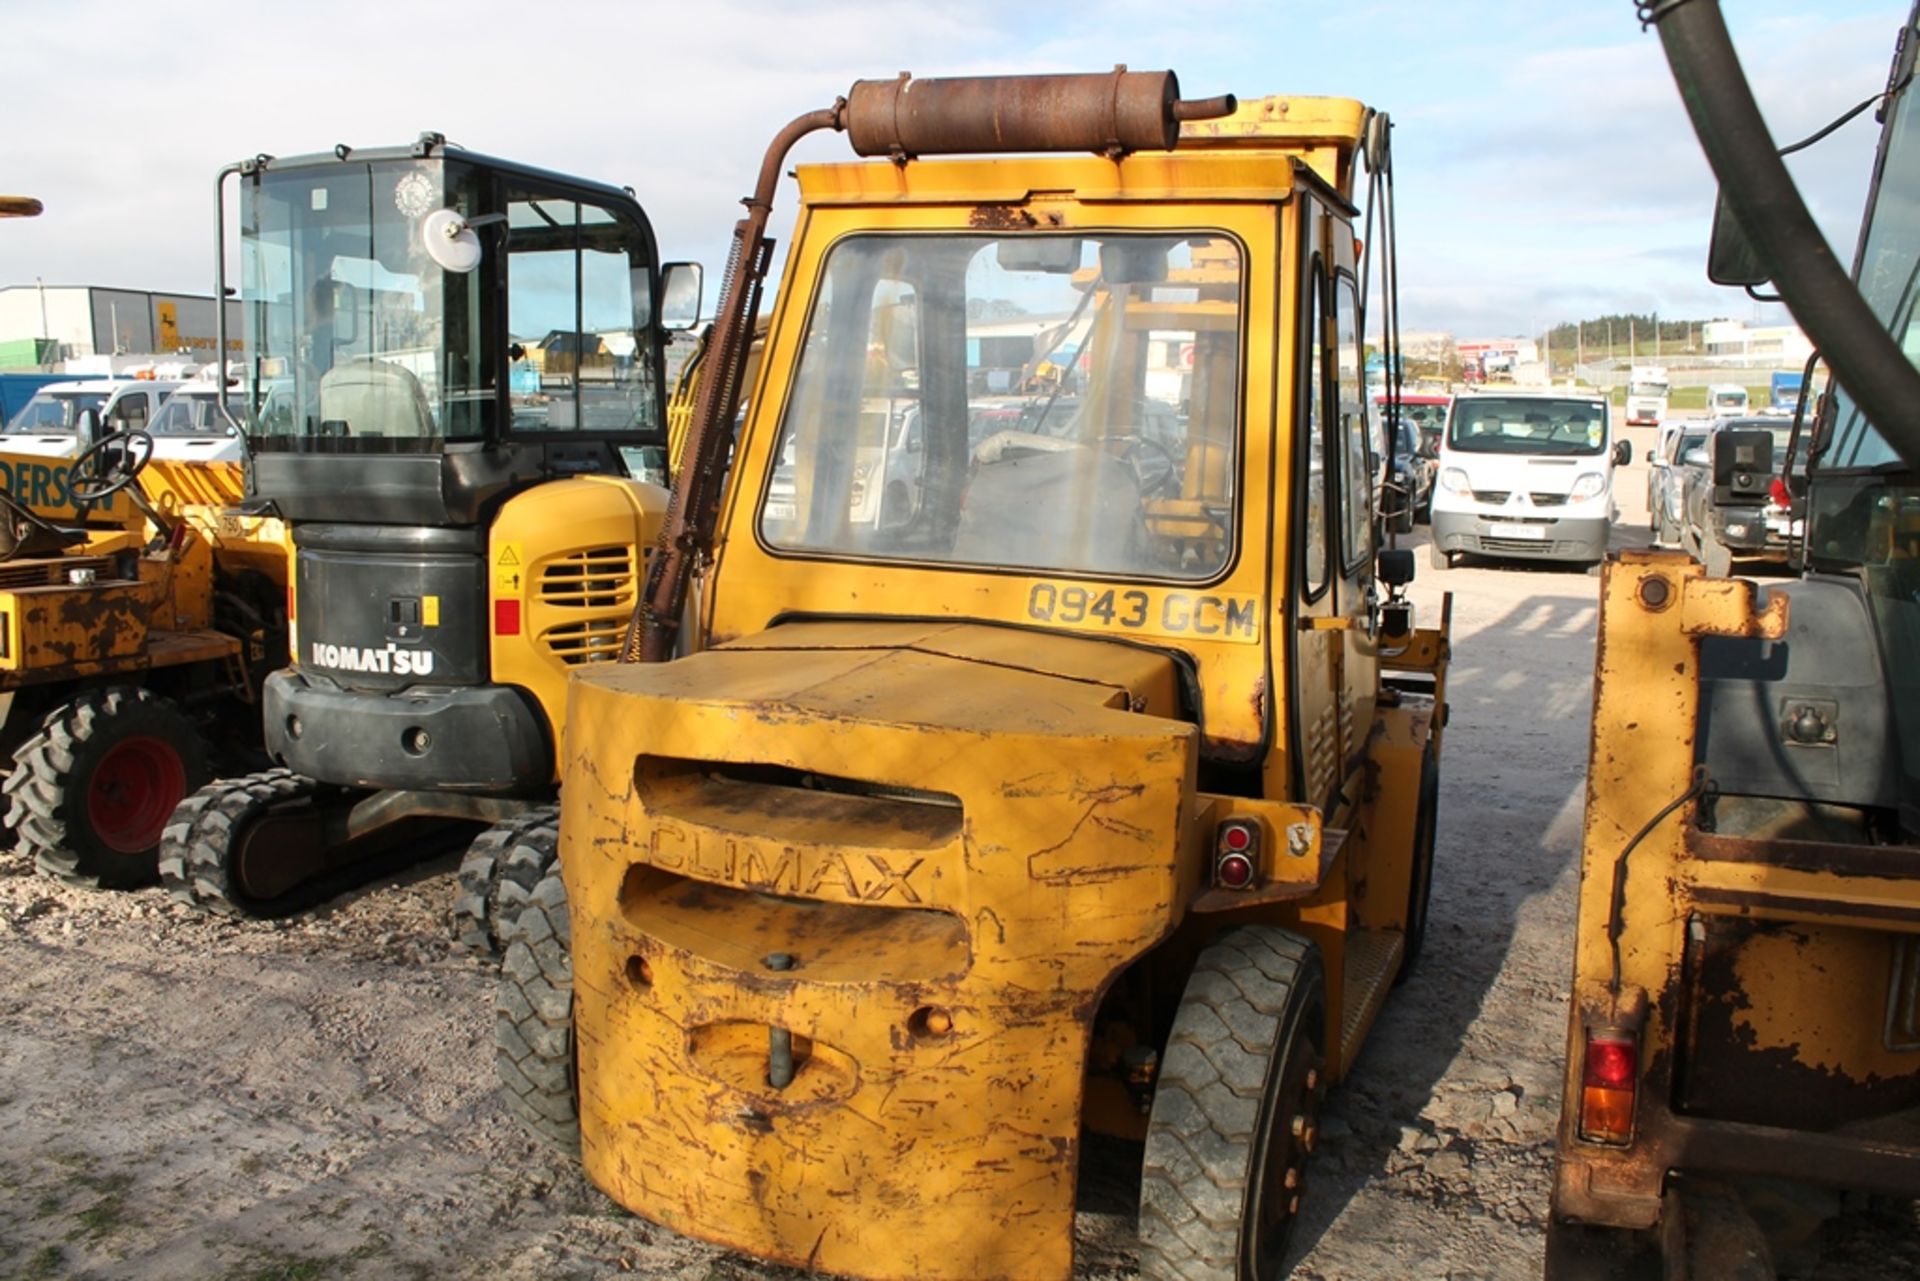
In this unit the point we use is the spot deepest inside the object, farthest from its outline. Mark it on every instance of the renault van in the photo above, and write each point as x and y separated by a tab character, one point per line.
1526	474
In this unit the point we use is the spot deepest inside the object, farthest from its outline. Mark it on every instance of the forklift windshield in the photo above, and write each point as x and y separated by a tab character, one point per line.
358	340
1044	402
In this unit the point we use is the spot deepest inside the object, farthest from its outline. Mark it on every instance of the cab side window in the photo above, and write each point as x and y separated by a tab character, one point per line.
1312	420
1356	459
129	414
579	314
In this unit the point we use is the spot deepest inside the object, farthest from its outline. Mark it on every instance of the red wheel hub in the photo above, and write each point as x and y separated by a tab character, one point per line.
133	793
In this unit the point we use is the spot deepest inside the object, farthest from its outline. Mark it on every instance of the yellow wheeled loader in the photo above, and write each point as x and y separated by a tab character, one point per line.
1047	751
1744	1037
139	613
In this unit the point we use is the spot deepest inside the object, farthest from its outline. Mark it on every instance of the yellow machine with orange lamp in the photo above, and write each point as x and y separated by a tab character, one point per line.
139	612
1047	758
1743	1040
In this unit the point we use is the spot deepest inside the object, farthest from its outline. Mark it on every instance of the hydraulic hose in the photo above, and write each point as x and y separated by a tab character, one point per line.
1817	289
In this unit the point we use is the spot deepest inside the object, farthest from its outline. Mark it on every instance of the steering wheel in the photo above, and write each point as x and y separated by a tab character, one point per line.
97	473
1149	487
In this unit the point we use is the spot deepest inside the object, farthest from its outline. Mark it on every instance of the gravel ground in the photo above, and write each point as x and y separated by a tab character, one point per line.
192	1098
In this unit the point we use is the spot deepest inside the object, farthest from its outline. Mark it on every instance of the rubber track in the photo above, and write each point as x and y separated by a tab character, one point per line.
193	851
36	789
498	875
1207	1101
533	1018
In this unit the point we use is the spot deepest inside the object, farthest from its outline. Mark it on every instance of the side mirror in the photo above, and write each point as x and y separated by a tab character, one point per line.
1655	460
1622	453
1396	567
87	423
1731	258
680	286
1696	457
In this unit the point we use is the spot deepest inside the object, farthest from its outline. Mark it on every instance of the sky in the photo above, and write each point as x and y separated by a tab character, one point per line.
1544	167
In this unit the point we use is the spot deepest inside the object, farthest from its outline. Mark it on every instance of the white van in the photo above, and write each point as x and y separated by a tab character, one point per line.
191	428
1526	474
49	425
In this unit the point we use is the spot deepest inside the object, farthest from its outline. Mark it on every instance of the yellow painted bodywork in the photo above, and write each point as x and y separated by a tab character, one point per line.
53	628
1801	987
965	809
572	555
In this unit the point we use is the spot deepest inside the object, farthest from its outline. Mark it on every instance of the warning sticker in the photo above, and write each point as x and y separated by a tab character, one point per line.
508	564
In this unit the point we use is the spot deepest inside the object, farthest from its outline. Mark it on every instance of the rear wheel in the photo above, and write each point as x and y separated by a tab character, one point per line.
1426	823
533	1019
1235	1111
91	792
498	874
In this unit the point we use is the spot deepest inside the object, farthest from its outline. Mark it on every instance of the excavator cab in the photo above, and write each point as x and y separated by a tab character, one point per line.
454	365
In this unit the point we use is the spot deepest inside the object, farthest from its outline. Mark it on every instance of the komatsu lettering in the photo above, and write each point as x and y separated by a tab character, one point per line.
391	661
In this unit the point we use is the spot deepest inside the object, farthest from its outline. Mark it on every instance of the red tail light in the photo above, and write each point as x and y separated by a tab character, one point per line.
506	618
289	602
1236	854
1779	493
1609	1078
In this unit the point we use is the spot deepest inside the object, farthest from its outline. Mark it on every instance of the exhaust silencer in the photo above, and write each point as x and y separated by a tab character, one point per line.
1110	113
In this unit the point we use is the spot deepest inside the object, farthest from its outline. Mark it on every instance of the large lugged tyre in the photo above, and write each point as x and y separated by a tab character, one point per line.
197	853
533	1019
1234	1111
91	792
498	876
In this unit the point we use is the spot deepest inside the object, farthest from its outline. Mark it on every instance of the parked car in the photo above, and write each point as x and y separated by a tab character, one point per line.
190	426
51	425
1666	509
1406	496
1735	503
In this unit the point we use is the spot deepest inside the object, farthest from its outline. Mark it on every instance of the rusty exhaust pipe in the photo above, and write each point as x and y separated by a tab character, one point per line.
1109	113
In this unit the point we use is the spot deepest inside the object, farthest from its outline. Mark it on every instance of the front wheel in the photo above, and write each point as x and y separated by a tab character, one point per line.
91	793
533	1019
1439	557
498	875
1235	1111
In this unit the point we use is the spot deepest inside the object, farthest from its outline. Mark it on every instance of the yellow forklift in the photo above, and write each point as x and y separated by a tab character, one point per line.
138	617
1744	1036
1050	749
454	370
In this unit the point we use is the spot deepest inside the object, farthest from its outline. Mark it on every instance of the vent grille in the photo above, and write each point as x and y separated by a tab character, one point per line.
1494	496
597	640
1548	500
597	578
50	571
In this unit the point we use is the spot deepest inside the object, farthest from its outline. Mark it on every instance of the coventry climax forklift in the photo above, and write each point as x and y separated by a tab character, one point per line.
454	364
1046	759
1744	1037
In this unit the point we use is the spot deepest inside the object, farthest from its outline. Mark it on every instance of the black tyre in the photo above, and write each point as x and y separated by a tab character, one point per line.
1234	1111
1437	558
498	875
1426	823
92	791
199	851
533	1019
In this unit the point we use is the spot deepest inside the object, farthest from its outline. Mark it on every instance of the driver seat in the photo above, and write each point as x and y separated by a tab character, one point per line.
374	397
